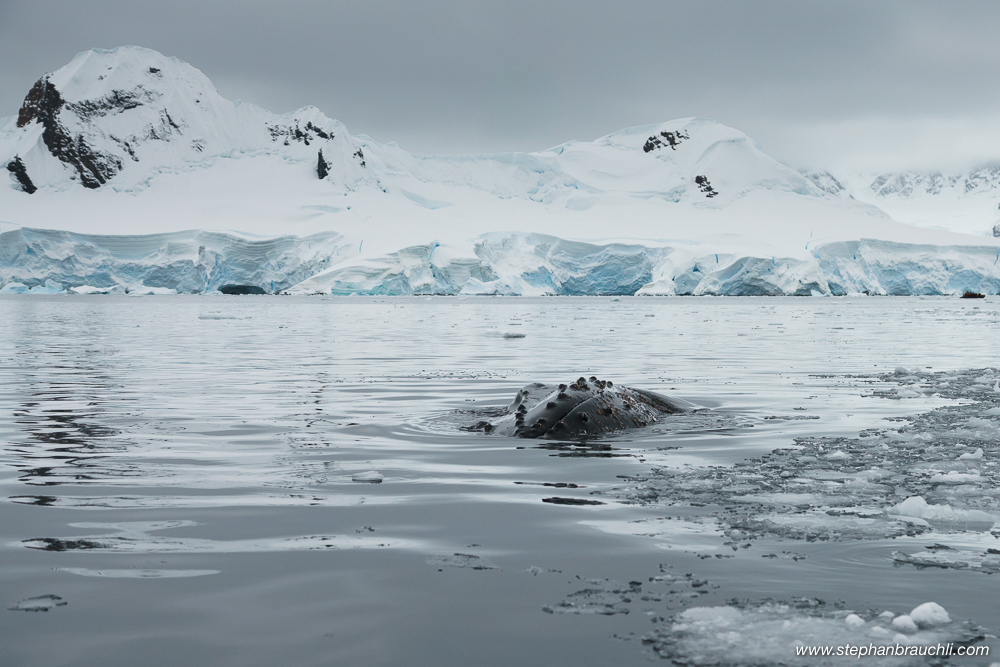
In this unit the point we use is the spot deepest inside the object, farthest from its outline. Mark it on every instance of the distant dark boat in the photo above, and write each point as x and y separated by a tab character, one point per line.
973	295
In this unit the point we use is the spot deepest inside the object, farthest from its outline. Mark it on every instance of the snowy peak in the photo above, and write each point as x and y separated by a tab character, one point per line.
692	159
114	117
120	118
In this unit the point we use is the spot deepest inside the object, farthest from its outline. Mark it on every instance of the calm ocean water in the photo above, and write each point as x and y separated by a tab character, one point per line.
179	471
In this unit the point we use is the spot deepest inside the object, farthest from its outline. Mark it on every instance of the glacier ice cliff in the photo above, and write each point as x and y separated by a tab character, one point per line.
50	261
510	263
538	264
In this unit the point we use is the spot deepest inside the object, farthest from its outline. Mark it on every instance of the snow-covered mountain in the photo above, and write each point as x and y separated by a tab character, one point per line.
118	118
129	141
960	201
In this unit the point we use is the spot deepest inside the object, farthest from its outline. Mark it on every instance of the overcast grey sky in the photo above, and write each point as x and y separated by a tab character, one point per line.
848	84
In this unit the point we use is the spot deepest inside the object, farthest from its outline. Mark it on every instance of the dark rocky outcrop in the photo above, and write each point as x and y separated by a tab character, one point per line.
322	166
20	175
705	186
304	134
114	102
672	139
43	105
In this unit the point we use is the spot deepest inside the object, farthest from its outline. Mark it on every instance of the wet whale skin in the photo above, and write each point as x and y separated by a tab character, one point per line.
583	408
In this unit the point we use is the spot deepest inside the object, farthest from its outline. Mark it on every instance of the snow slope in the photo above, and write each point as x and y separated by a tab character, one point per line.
966	202
129	141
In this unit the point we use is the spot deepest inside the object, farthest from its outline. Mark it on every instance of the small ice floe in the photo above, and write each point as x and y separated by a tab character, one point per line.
917	508
137	574
854	620
904	623
40	603
511	334
954	477
369	477
469	561
152	291
604	597
90	289
978	454
948	558
774	633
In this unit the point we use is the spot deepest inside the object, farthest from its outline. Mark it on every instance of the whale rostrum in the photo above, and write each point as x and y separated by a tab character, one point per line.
584	408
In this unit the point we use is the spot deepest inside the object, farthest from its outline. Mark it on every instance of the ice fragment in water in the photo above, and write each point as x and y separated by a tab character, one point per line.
918	508
768	633
137	574
370	477
930	614
854	620
40	603
469	561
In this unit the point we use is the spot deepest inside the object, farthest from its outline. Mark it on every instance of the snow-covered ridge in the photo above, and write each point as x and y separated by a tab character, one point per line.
114	117
962	201
123	148
117	118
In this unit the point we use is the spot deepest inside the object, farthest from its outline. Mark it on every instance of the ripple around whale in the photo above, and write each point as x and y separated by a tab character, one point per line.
584	408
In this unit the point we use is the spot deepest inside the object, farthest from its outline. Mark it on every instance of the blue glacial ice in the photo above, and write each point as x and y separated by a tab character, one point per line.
49	261
501	263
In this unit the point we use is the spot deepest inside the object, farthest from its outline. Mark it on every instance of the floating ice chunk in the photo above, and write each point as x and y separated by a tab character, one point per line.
952	559
717	617
768	634
370	477
930	614
137	574
470	561
907	392
513	335
86	289
996	386
978	454
838	454
901	371
152	291
904	623
854	620
918	508
954	477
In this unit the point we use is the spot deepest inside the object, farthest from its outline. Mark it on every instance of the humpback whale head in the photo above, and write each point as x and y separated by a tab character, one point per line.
587	406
